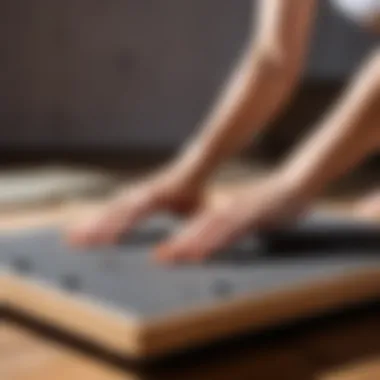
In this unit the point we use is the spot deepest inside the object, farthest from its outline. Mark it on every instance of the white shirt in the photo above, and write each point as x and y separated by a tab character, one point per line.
361	11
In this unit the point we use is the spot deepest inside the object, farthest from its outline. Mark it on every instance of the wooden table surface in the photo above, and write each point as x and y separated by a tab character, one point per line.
24	355
347	352
366	370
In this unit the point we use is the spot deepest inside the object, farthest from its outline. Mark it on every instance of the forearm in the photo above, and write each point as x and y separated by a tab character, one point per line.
257	92
347	136
259	89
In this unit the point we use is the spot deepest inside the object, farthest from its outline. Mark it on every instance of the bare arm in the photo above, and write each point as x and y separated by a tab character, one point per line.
346	136
259	88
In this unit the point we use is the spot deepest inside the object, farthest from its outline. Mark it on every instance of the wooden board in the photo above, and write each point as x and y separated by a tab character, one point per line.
324	349
28	355
137	309
368	370
24	355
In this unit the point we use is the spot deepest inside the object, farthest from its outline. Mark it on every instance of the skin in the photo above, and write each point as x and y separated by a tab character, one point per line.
374	24
259	89
347	135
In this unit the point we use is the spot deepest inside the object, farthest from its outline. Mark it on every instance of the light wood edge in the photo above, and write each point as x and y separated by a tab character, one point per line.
138	339
92	322
56	358
253	312
369	370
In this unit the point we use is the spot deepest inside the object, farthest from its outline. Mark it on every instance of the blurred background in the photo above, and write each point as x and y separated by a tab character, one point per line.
121	84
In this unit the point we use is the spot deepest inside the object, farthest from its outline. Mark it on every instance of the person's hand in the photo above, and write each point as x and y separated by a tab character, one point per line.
368	207
255	207
165	191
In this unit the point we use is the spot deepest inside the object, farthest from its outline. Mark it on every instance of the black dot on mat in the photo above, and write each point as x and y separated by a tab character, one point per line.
222	288
71	282
22	264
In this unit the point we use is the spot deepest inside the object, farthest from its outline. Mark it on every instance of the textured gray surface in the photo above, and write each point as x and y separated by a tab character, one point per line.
124	277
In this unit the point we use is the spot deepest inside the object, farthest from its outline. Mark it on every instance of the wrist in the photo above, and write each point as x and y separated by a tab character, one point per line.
301	187
193	166
183	173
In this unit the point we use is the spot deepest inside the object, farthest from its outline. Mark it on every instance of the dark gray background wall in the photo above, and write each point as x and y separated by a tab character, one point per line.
119	73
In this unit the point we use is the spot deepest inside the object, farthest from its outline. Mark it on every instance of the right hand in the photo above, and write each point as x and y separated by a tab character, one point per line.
166	191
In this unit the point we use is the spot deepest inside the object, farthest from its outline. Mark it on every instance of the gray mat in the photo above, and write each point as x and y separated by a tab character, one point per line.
125	278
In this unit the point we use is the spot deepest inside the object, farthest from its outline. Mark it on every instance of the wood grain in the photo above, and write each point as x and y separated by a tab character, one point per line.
368	370
129	337
25	356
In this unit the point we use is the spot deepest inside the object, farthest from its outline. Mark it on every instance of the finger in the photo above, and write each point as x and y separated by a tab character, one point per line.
125	218
220	235
368	206
202	238
117	218
187	240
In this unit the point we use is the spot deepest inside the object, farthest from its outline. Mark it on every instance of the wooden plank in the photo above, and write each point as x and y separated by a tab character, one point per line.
368	370
127	336
25	356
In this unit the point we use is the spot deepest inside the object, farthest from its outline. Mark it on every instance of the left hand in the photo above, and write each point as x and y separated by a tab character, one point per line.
254	207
